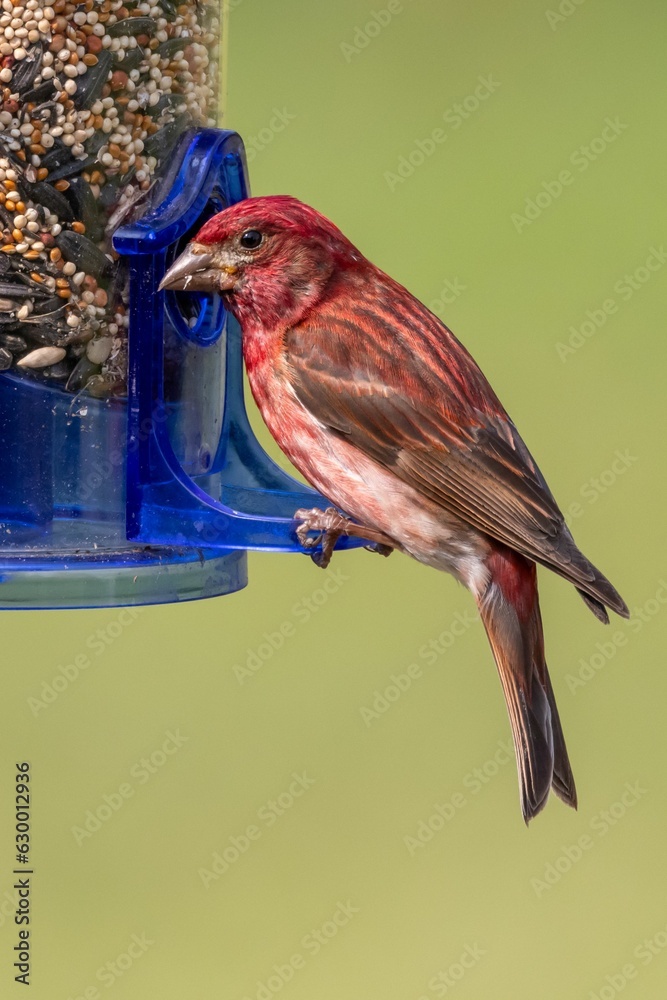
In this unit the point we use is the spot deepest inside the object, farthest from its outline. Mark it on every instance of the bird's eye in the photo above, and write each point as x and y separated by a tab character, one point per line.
251	239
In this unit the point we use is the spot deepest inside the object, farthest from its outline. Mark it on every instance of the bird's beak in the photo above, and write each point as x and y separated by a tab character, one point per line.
197	271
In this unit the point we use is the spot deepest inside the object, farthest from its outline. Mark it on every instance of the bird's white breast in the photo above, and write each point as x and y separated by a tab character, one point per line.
362	488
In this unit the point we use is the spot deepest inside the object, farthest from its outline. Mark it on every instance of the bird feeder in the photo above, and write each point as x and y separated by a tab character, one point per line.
147	485
156	496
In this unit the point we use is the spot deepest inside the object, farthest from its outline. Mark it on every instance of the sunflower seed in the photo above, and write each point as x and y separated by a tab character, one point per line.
13	343
6	359
85	208
109	193
58	372
50	306
89	86
39	94
76	339
160	144
6	217
71	169
41	333
47	196
168	9
10	289
42	357
132	26
57	155
169	48
131	58
83	252
95	143
27	69
166	103
37	290
83	370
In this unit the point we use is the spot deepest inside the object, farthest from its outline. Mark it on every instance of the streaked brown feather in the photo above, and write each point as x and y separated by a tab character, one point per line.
413	399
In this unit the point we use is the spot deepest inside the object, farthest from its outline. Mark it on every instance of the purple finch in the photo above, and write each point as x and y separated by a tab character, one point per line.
385	413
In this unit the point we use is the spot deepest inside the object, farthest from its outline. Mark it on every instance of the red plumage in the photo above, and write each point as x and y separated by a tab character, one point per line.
386	413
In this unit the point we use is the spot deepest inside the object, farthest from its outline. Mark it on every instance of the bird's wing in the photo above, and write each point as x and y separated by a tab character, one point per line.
417	403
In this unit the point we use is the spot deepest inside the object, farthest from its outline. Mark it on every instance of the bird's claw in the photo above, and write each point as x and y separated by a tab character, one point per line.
330	525
380	549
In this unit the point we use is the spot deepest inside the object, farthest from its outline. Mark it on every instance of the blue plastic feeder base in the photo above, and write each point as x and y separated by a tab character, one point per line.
63	530
148	577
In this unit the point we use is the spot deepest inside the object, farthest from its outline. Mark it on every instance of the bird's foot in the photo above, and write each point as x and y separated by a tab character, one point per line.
330	525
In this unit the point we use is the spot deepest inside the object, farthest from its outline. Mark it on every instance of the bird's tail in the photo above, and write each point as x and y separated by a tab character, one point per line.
510	611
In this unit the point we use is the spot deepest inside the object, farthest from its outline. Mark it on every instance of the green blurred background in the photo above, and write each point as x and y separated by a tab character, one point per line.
328	890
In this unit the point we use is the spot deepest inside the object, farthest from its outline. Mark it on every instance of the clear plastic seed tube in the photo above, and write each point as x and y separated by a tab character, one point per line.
93	99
